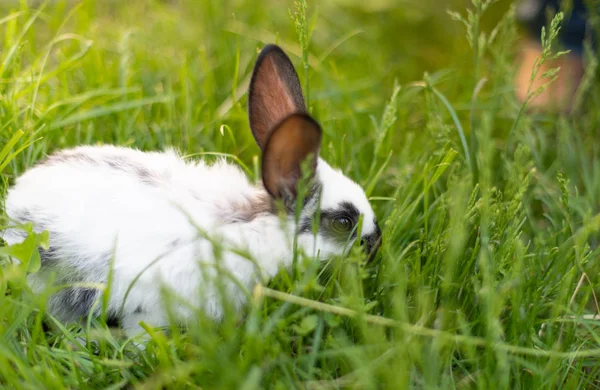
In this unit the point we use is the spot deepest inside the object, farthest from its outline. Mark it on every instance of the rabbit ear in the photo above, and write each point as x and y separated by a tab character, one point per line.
274	93
295	139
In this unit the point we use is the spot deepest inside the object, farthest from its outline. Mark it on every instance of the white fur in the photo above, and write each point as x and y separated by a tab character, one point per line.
94	212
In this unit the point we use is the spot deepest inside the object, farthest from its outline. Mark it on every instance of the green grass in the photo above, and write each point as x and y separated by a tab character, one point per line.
490	213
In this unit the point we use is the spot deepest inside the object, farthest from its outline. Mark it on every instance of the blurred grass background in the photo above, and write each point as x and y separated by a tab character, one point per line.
488	273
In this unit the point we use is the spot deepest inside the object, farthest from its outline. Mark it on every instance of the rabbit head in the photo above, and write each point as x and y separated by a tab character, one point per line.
290	141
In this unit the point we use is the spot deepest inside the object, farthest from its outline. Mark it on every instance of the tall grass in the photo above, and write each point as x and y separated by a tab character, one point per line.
488	273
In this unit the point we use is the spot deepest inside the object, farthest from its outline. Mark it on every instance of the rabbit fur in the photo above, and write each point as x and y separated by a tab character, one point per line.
163	221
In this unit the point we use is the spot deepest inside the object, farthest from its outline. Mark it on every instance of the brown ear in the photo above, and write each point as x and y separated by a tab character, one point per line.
295	139
274	93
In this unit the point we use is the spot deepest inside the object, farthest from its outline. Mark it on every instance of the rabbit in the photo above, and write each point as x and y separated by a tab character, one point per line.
150	219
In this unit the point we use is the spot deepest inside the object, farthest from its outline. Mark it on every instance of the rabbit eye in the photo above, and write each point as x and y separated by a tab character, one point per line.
341	224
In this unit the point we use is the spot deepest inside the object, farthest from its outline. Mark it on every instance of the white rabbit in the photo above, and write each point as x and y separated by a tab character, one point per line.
142	212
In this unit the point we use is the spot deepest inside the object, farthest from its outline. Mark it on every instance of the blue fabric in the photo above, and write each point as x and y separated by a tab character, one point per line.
532	14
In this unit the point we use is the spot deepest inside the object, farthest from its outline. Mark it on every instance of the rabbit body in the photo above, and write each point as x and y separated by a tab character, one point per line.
100	202
140	221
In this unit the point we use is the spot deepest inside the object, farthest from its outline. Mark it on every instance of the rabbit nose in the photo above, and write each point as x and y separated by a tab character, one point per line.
365	243
371	243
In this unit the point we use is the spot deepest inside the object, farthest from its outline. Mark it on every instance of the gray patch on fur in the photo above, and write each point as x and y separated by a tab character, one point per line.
306	224
66	157
248	211
48	257
119	163
175	243
22	215
312	194
145	175
41	221
125	165
289	200
72	303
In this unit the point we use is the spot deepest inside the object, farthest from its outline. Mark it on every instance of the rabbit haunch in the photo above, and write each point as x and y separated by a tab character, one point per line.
155	217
